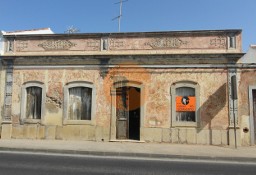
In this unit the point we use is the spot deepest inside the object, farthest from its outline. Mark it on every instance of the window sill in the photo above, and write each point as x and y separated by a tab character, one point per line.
184	124
32	121
78	122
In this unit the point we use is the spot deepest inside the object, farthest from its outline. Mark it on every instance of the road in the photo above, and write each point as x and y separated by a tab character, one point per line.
15	163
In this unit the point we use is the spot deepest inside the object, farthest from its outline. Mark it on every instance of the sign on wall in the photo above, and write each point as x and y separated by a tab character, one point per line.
185	103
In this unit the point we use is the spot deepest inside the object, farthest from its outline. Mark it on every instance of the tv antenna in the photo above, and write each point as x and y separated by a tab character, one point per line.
120	14
71	29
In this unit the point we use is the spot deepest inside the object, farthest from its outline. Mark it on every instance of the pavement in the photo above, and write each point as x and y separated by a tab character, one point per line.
133	149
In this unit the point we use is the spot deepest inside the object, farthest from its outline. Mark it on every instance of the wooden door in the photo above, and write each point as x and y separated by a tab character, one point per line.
122	113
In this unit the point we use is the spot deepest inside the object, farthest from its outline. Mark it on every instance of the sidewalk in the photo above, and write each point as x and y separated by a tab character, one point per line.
155	150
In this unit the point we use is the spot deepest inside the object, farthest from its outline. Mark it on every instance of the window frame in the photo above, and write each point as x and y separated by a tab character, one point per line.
24	102
196	87
69	85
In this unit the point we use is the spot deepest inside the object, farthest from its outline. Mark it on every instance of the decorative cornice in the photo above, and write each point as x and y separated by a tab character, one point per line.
22	45
219	42
159	43
56	45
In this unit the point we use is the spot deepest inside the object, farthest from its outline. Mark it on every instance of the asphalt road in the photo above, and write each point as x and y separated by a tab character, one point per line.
12	163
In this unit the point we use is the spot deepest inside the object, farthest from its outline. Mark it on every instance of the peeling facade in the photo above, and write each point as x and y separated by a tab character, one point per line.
247	96
154	86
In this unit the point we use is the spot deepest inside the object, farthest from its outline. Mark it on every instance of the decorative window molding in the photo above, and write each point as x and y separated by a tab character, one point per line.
185	104
33	102
79	103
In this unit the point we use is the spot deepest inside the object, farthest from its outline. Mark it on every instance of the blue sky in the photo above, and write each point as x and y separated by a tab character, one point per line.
92	16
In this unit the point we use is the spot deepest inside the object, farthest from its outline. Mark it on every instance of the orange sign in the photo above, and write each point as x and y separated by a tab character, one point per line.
185	103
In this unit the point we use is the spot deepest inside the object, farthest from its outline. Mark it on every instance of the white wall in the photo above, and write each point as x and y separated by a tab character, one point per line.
30	32
1	43
250	56
22	32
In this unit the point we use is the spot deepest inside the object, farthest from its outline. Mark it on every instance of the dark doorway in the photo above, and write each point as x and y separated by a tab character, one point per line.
254	113
128	113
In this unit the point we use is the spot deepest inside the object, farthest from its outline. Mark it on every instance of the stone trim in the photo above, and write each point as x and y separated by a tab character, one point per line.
24	102
120	43
229	44
232	106
66	121
8	93
10	45
104	45
190	84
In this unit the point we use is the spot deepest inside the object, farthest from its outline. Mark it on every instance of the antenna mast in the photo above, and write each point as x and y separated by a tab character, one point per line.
71	29
120	14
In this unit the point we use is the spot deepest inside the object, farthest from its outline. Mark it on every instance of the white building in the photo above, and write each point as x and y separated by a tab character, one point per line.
22	32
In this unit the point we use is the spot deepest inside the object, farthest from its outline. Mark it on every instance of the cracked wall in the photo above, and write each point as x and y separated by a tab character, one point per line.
156	101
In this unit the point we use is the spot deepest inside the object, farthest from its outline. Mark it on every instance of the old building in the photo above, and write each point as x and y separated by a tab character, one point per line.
153	86
246	72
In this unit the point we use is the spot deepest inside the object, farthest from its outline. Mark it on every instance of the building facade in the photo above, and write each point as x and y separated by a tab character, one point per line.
246	72
172	87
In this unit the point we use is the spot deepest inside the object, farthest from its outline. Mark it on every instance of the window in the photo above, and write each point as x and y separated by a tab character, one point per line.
185	104
80	103
33	102
79	100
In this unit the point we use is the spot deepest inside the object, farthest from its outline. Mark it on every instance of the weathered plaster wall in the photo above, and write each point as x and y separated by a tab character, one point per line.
213	108
127	43
52	127
54	81
156	102
213	99
247	78
56	60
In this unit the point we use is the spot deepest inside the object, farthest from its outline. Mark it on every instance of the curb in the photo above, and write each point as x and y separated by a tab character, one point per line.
134	155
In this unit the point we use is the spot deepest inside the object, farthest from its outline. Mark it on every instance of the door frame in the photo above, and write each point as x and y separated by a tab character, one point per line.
113	106
251	88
